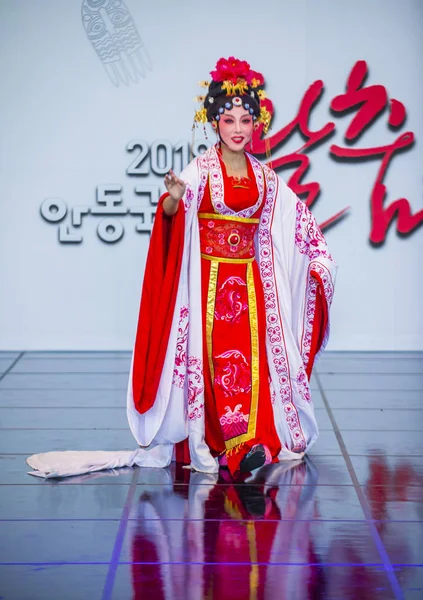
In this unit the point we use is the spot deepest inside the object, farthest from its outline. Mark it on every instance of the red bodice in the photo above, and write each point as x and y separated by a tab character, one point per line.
239	193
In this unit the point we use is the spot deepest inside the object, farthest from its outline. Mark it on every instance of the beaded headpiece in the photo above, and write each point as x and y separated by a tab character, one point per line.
234	83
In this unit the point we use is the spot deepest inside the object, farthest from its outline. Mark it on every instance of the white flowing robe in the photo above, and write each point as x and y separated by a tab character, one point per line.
289	245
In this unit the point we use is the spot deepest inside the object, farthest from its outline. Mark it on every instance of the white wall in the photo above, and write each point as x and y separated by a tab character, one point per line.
65	127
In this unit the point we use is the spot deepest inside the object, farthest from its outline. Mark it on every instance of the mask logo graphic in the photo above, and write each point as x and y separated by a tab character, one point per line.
114	36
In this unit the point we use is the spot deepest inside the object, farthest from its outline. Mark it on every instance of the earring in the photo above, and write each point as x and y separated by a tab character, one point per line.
214	125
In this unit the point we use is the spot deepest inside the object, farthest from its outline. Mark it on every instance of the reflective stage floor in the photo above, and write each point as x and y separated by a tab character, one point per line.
347	523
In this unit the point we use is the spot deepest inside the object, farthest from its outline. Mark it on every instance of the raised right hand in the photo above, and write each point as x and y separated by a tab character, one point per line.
174	185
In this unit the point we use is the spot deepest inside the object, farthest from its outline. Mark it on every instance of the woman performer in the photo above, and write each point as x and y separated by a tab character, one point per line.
235	301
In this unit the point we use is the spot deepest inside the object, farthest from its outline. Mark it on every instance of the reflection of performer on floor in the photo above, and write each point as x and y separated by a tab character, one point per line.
227	542
235	303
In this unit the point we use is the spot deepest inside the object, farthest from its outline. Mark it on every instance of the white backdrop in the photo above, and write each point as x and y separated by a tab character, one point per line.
67	118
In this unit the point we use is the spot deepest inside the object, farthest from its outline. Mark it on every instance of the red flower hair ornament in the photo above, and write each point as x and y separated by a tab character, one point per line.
231	69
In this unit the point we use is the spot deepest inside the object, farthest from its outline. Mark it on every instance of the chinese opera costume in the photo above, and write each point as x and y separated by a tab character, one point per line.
234	311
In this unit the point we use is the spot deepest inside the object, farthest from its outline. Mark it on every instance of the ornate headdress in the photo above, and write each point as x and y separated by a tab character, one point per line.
234	83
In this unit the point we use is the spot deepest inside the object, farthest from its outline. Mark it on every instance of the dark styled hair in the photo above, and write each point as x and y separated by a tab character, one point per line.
217	100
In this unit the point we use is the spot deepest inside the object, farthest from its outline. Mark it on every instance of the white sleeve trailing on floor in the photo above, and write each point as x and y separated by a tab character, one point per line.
69	463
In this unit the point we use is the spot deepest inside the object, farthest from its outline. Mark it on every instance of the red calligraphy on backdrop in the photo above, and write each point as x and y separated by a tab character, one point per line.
370	103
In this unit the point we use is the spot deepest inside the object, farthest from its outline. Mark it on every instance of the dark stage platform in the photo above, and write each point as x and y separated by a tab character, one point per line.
346	523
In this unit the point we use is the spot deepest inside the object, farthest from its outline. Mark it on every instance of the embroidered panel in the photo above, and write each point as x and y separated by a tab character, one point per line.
203	181
227	239
232	373
309	310
179	371
231	315
188	369
231	300
274	324
310	304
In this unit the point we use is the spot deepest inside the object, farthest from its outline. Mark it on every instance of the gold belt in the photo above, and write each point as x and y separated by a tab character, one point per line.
222	259
227	218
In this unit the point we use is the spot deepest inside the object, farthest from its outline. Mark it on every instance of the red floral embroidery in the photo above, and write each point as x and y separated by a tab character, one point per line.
188	369
309	310
308	236
195	388
310	306
189	197
196	413
302	384
181	349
